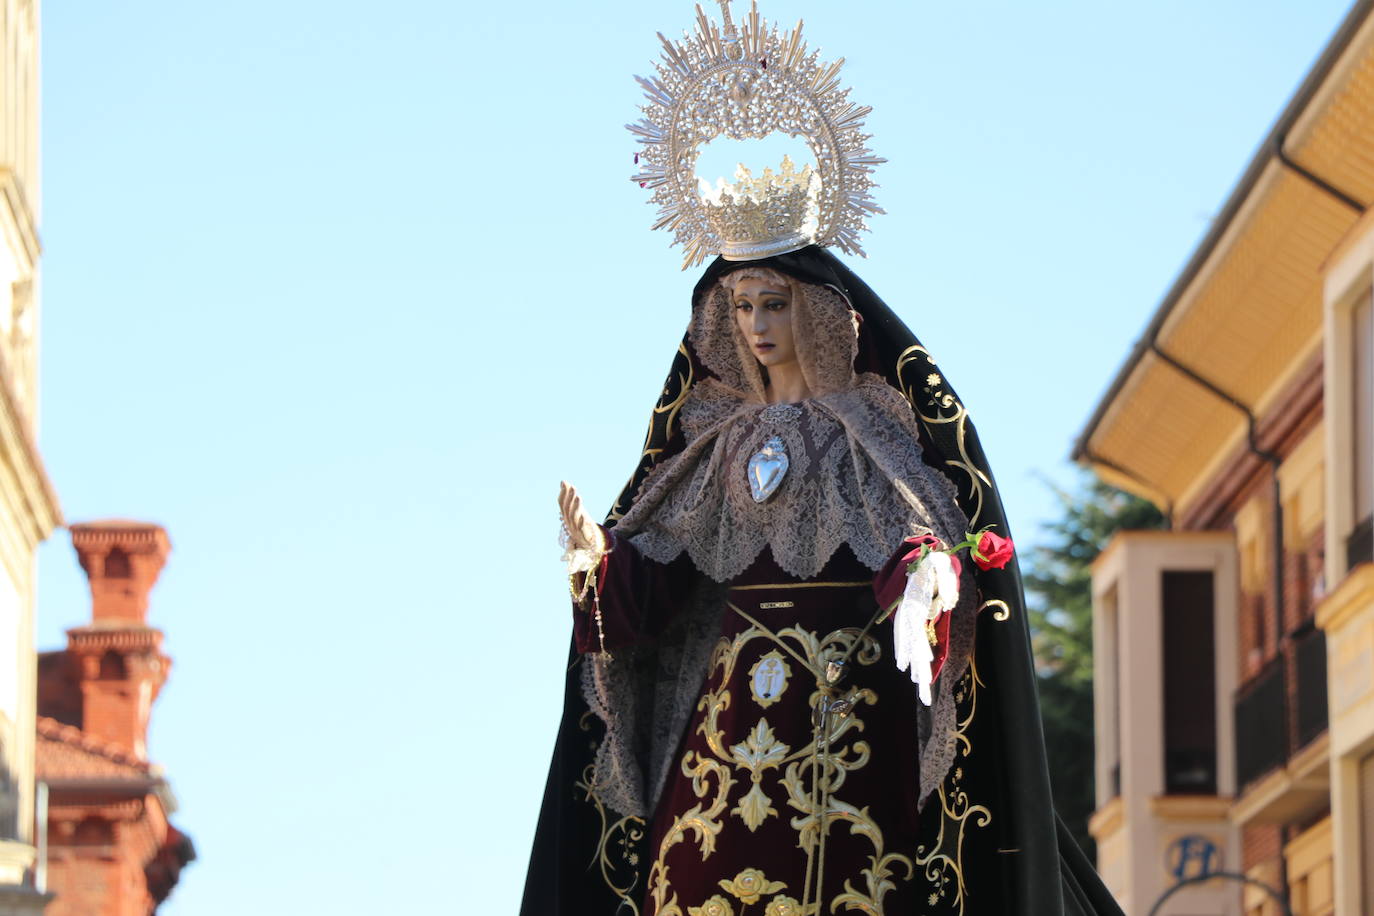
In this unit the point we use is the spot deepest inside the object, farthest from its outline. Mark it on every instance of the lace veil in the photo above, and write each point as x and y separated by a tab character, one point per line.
855	473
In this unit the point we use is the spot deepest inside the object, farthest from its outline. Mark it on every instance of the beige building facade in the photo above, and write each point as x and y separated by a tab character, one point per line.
1234	653
28	508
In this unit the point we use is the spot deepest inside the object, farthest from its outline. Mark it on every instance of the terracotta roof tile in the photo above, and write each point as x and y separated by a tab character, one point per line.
65	752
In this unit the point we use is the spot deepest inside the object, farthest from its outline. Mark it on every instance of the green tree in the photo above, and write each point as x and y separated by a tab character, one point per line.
1058	579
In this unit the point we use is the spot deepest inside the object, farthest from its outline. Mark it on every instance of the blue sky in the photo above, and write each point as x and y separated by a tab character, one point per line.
339	292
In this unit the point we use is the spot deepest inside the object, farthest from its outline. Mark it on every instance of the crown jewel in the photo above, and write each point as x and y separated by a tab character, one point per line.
748	83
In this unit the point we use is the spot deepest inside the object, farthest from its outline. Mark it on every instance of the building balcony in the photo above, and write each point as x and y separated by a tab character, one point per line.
1291	793
1282	747
1262	723
1281	727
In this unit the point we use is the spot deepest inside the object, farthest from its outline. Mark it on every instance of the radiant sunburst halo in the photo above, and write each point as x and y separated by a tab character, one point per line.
748	83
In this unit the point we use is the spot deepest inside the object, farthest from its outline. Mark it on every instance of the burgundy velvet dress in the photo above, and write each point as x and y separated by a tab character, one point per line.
737	828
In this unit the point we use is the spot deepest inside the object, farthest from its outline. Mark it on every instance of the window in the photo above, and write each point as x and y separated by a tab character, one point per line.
117	564
112	666
1190	707
1111	698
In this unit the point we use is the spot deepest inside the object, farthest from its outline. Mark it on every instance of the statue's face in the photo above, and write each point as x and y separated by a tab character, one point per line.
763	311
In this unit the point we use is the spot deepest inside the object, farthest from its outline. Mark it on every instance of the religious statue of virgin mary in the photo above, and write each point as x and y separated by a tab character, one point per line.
800	679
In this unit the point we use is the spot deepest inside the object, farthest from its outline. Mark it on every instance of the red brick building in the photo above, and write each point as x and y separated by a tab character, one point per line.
111	850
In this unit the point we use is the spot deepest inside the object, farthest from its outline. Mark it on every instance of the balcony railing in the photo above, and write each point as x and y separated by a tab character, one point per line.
1309	662
1262	724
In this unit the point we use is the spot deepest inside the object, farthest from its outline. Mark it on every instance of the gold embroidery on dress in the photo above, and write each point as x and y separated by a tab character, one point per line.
715	906
768	678
751	884
760	751
750	887
782	905
802	770
772	586
702	821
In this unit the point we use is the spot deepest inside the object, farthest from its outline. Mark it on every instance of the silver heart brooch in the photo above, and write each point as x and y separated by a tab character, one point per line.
767	468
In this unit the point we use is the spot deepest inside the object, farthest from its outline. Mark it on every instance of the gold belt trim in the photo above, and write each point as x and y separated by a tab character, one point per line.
754	588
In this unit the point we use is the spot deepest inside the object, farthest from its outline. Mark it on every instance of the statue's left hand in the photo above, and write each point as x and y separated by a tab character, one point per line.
584	533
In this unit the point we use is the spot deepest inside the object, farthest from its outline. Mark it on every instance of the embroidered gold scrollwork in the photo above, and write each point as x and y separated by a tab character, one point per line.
701	820
877	882
624	835
941	861
802	769
760	750
807	769
662	420
1003	611
670	404
938	407
882	866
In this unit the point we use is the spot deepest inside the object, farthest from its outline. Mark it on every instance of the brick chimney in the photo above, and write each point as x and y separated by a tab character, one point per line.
120	665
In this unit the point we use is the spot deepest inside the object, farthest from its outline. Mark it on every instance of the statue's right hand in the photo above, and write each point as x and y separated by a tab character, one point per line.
584	533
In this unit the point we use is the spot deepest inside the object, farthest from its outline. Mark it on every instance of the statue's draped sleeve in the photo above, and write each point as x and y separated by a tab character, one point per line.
637	597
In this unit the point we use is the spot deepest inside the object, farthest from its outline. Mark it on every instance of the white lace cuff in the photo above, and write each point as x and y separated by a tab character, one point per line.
580	559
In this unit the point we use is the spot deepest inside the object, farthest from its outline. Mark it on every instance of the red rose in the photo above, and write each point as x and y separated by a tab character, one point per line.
993	551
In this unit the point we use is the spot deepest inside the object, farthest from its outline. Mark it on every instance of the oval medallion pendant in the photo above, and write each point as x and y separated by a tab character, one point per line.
767	468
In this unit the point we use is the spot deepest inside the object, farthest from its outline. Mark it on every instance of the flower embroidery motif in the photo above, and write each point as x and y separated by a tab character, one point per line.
784	906
751	884
716	906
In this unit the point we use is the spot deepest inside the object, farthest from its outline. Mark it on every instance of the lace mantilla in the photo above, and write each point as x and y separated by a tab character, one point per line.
856	478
